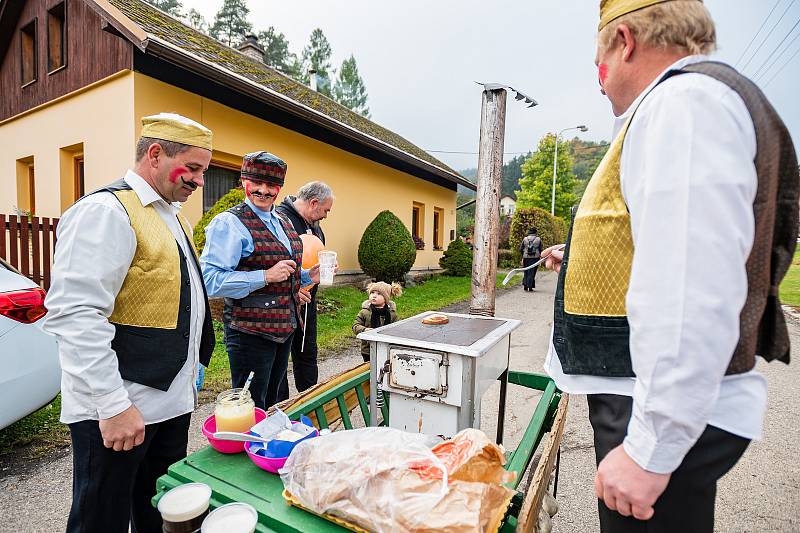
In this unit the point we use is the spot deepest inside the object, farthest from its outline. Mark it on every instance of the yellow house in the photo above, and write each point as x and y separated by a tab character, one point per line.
77	76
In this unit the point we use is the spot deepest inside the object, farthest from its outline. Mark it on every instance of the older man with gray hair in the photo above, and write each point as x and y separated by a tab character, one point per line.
313	202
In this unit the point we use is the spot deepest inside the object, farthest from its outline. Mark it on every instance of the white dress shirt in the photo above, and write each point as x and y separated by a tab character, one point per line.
95	248
689	181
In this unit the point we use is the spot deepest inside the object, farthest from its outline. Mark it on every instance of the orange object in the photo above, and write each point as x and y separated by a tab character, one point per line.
312	246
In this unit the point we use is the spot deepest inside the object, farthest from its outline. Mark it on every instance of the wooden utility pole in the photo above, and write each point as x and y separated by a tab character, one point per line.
487	206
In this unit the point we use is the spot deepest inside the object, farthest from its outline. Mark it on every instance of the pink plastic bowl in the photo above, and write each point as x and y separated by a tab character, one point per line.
270	464
226	446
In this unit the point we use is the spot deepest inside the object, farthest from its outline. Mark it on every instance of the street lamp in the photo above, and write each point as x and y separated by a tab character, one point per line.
555	164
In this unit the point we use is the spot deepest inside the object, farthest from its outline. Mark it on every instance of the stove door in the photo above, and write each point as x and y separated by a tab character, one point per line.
418	371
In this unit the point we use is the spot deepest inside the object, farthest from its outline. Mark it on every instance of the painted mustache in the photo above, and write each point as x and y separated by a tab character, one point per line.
262	195
192	185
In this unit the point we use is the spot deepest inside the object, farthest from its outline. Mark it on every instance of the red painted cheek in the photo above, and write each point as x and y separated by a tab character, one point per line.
247	188
602	72
177	173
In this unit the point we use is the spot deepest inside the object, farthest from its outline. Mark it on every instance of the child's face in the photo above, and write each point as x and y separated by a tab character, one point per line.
377	299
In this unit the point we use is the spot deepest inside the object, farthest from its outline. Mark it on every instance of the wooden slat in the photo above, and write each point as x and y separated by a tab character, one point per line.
24	248
3	236
13	241
529	514
321	418
343	411
36	271
46	257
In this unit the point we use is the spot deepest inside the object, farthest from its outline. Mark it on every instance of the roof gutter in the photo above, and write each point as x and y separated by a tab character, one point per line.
173	54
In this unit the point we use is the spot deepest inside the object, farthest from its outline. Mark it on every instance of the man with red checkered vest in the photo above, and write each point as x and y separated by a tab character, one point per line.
252	258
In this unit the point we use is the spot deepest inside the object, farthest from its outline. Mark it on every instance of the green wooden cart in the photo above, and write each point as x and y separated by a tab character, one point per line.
236	478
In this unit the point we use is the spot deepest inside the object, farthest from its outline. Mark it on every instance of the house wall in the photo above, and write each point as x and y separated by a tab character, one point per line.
91	55
97	121
362	187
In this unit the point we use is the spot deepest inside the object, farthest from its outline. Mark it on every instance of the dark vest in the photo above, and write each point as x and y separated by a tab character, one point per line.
599	345
272	312
153	356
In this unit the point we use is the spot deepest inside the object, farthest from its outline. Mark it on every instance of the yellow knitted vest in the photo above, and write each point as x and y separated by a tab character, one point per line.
601	248
150	293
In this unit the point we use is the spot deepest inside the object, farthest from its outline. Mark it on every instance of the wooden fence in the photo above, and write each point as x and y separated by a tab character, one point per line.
27	243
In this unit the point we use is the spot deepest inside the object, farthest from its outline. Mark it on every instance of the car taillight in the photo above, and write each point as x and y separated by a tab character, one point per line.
26	306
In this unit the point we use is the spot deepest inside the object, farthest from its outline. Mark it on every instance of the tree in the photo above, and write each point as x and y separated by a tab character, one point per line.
173	7
317	56
230	23
537	182
349	89
276	52
386	251
196	20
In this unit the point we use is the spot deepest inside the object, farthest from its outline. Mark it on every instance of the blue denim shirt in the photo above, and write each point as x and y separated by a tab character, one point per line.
227	242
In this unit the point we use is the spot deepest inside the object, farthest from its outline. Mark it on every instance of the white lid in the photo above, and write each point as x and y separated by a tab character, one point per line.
184	502
234	517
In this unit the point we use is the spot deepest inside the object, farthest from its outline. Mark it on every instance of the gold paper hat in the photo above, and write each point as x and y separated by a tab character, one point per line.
613	9
176	128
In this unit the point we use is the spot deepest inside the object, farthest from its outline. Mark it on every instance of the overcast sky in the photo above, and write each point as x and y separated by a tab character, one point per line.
419	59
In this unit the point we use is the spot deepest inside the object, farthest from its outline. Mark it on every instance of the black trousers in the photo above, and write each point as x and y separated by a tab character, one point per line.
529	277
113	489
267	358
304	361
687	504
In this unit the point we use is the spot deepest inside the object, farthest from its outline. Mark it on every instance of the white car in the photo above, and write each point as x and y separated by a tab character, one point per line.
31	376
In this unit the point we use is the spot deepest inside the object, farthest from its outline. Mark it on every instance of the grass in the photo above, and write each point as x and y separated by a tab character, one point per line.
43	430
790	286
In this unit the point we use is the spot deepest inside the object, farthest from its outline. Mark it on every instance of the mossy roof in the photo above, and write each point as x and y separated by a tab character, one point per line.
159	24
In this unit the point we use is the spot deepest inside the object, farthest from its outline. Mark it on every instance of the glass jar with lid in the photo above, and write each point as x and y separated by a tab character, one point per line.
235	411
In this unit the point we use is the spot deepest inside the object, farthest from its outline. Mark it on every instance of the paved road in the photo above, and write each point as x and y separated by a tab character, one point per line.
761	494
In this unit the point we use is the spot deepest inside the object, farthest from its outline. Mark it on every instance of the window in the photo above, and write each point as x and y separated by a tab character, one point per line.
56	38
79	182
438	228
218	182
27	43
418	224
26	186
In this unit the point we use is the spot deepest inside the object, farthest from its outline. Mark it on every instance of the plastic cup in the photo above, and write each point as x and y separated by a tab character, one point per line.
184	508
234	517
327	264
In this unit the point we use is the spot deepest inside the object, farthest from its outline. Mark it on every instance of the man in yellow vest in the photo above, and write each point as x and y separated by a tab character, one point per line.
128	307
668	285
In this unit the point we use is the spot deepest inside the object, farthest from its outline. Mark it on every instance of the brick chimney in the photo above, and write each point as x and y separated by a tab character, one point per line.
251	48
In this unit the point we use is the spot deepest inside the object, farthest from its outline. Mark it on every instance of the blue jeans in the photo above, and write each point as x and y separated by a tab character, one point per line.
267	358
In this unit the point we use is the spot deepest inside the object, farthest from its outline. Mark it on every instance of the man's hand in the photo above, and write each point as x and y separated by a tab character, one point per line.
554	255
280	271
304	296
123	431
314	273
626	487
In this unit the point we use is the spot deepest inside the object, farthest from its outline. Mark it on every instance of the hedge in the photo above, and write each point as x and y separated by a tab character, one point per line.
386	251
232	198
552	230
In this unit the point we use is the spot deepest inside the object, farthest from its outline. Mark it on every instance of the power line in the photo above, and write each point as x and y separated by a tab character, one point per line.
577	149
768	35
777	47
782	67
759	31
772	64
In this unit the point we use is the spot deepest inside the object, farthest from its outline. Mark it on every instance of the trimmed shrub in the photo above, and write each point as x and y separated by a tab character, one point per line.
505	259
552	230
457	259
386	251
232	198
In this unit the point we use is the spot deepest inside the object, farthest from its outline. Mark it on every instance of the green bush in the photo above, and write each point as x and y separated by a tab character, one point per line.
386	251
505	259
457	259
232	198
552	230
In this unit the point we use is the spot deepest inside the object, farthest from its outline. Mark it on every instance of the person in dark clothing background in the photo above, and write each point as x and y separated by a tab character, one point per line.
313	202
531	248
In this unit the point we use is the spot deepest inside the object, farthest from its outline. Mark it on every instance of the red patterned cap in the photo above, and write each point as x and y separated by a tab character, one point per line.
263	166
